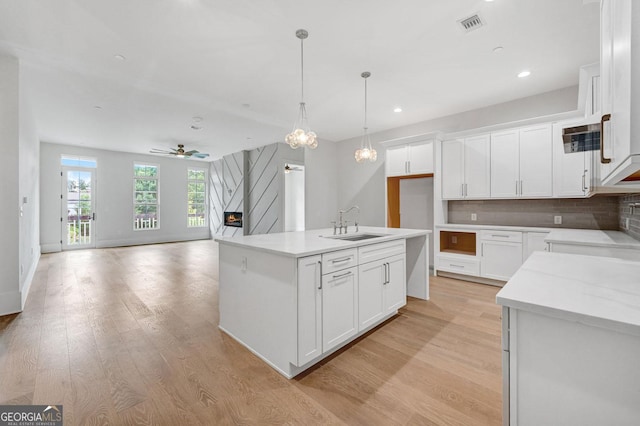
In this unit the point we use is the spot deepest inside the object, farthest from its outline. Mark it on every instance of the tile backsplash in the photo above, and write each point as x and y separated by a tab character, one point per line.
600	212
625	213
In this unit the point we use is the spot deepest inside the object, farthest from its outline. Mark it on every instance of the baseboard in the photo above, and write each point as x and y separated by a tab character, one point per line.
471	278
50	248
137	242
10	303
26	285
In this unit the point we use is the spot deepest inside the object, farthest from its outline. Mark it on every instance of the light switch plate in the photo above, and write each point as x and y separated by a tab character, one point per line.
474	216
557	220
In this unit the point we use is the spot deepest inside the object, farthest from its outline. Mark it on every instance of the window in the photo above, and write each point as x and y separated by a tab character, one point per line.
197	198
145	197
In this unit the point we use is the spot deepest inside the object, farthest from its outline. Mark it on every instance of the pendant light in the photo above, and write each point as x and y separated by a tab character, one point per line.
301	135
366	152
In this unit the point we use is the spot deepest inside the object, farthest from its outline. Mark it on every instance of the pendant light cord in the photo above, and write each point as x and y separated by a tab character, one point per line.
365	104
302	70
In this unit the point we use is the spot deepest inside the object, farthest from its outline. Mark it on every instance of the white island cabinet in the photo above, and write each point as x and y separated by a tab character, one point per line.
294	298
571	341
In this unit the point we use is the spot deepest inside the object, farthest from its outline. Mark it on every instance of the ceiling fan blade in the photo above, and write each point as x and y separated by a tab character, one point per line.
193	151
160	151
200	155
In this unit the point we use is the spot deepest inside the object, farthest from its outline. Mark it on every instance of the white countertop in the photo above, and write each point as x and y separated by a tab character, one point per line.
307	243
592	237
599	291
467	227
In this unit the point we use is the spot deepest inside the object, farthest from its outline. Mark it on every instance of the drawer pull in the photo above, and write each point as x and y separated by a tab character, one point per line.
500	236
342	275
341	260
456	266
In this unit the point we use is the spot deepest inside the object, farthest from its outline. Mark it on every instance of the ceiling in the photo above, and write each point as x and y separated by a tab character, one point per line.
236	65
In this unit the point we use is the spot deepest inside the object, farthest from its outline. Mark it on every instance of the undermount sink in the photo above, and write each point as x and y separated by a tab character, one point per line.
355	237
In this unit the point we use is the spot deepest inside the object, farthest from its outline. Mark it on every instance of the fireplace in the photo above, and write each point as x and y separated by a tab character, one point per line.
233	219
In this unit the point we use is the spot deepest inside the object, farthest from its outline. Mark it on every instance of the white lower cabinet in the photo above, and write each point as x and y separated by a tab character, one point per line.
339	307
500	260
309	308
381	290
336	304
501	254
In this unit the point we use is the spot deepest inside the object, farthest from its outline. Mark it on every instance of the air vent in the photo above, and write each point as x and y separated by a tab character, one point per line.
471	23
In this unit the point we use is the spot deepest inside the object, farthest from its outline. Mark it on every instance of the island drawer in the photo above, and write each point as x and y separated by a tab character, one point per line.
338	260
373	252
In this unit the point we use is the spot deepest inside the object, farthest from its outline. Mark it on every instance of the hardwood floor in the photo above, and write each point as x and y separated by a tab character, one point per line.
129	336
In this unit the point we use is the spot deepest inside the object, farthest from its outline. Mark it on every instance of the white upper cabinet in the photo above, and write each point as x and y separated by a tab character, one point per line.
465	168
619	55
521	163
505	160
410	159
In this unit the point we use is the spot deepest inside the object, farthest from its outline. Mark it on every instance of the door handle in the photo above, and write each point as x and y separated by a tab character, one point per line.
604	118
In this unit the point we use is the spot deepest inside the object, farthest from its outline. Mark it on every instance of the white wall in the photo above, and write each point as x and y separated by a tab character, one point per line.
10	299
19	178
321	185
29	192
114	197
294	199
363	184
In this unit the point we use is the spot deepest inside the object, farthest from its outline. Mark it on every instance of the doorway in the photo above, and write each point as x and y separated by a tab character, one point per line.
410	204
78	208
294	197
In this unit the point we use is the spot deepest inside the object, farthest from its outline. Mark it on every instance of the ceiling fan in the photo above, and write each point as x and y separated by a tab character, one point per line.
180	152
289	169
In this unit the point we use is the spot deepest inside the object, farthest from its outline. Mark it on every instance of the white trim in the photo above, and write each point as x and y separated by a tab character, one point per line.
510	125
165	239
26	286
410	139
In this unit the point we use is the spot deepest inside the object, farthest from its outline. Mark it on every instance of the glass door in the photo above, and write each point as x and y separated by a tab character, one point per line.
78	208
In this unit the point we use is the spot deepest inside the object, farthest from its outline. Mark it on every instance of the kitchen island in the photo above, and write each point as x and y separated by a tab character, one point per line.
294	298
570	340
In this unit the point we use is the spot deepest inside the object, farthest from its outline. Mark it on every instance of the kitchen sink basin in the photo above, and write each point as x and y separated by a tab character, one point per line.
355	237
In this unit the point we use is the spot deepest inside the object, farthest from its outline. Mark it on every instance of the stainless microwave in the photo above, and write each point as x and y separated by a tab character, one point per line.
581	138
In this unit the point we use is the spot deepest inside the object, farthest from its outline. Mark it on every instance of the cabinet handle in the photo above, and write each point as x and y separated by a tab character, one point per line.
465	190
385	274
342	259
456	266
462	189
499	236
516	187
409	166
388	273
521	188
320	269
604	118
584	180
342	275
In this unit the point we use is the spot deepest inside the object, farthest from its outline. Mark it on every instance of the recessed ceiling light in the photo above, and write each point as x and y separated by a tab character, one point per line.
194	127
197	119
397	109
488	1
119	57
498	49
97	107
524	74
246	105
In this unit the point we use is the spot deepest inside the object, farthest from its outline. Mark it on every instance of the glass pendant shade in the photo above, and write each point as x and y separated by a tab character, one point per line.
366	151
301	135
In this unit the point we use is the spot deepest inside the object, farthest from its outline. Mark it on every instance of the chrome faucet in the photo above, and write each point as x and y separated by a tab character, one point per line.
343	224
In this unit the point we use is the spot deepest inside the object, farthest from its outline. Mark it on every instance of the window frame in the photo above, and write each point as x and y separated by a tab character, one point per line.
205	202
136	203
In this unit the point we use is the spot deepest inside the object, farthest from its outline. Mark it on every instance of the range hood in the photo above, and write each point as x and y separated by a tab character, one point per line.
581	138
